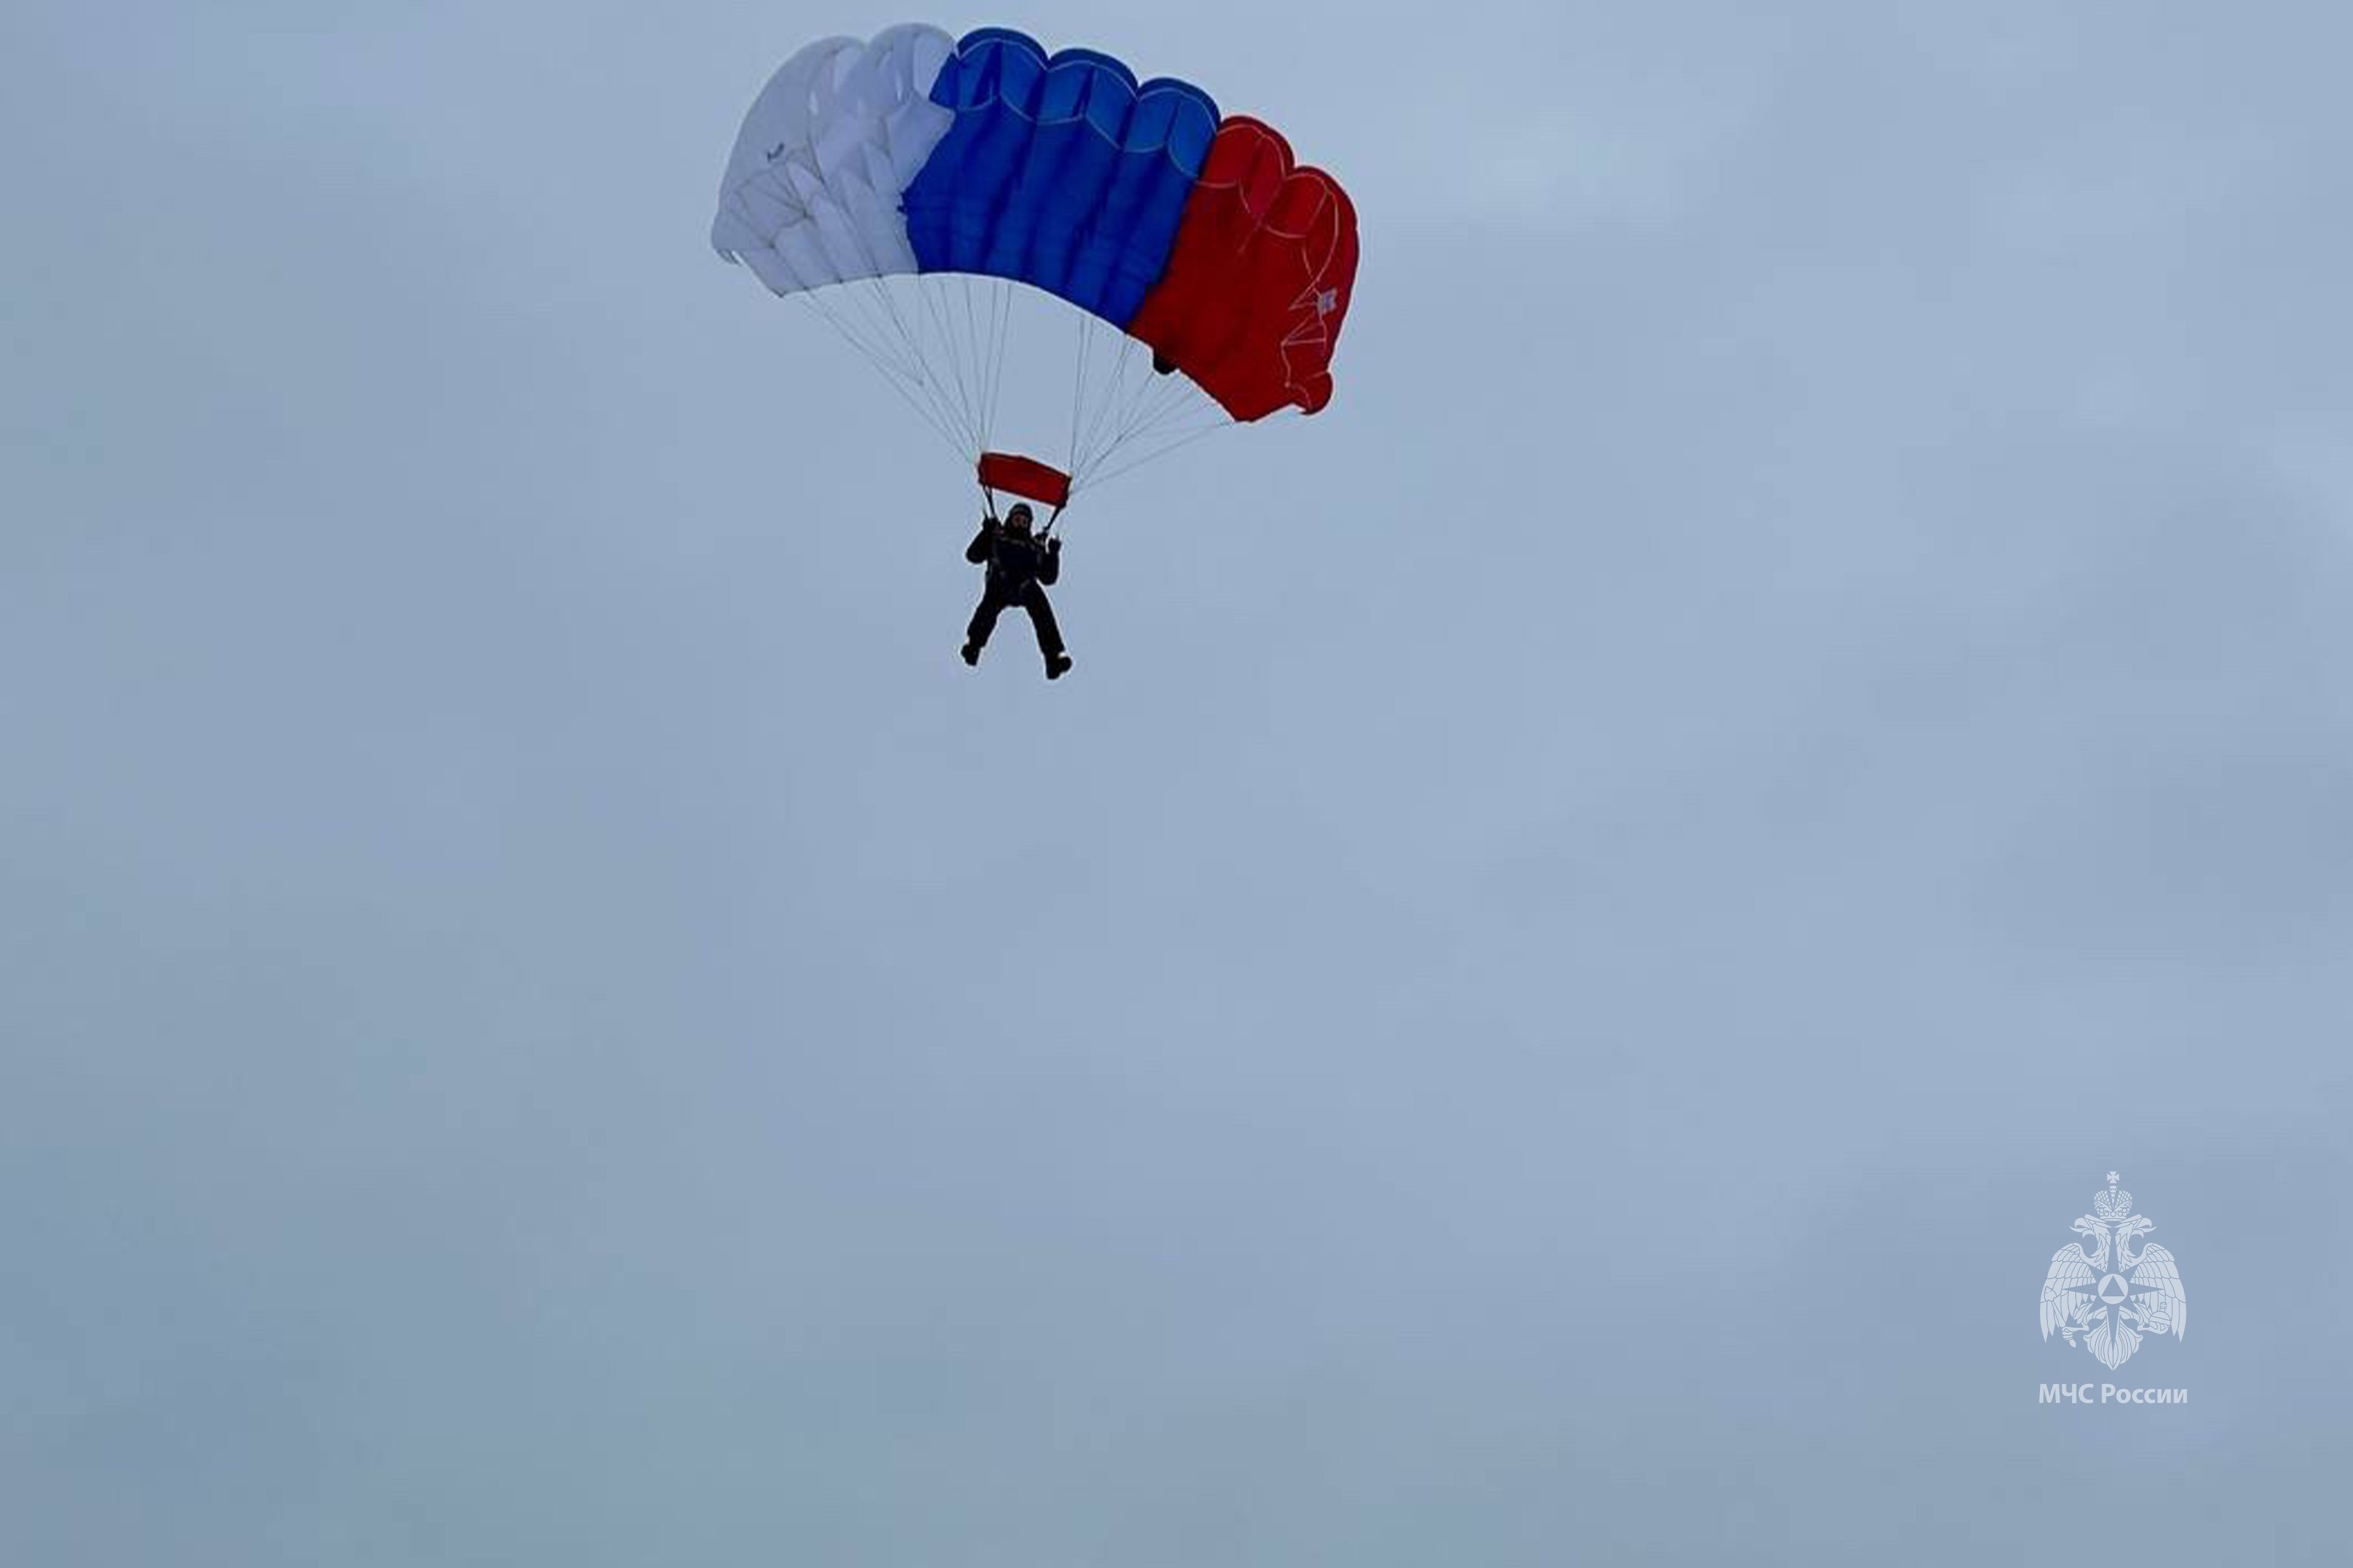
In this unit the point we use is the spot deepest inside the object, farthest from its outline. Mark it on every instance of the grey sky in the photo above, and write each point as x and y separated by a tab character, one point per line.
1544	995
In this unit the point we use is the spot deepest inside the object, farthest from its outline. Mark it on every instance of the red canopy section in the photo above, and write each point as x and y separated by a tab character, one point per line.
1259	281
1025	477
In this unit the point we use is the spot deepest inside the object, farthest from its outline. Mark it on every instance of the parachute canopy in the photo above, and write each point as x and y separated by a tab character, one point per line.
916	156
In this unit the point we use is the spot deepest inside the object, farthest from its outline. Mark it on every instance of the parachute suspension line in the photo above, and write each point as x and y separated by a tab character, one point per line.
867	316
874	353
995	361
1147	387
1112	434
1152	407
1121	418
937	304
867	341
975	344
1190	416
1005	295
1176	440
979	367
913	342
1089	454
877	278
877	296
889	379
1182	413
849	336
921	375
1098	384
1151	393
1133	464
1079	385
969	351
992	358
860	307
1183	394
947	384
946	367
958	317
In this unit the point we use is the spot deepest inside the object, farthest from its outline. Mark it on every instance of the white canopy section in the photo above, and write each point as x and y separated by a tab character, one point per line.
811	192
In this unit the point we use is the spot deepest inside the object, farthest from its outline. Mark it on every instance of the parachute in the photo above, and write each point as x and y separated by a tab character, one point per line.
939	201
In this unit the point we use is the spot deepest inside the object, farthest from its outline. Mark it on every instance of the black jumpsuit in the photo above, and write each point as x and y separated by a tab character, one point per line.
1019	568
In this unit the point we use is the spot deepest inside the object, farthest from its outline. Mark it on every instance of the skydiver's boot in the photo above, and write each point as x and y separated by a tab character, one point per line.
1057	665
971	653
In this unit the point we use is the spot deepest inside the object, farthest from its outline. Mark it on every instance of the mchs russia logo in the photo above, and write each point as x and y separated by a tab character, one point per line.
2113	1309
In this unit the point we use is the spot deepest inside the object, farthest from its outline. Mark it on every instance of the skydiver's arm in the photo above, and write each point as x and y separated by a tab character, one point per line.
977	551
1049	565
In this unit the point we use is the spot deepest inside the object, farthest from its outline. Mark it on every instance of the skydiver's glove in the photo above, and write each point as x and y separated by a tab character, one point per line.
1054	546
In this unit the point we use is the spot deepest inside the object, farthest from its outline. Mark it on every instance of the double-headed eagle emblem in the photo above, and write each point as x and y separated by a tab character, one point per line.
2112	1310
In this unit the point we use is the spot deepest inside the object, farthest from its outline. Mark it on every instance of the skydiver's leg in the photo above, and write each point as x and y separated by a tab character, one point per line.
983	619
1041	617
1050	634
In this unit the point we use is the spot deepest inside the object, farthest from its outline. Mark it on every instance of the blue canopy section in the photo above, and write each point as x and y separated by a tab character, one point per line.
1059	171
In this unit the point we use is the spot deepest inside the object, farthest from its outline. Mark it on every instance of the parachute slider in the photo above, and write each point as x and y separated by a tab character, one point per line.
1024	477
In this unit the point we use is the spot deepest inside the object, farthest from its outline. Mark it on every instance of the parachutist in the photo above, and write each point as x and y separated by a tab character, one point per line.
1020	568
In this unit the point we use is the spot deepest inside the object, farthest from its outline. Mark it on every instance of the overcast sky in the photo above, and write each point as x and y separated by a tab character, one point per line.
1543	993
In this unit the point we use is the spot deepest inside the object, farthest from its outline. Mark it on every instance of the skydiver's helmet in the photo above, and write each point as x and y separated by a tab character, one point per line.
1018	520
